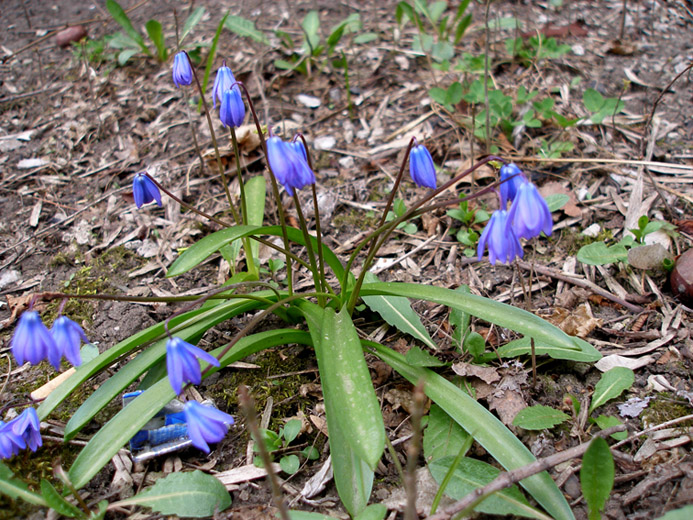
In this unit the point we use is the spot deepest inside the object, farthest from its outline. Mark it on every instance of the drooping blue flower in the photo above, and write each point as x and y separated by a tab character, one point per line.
500	239
32	342
206	424
28	427
182	72
222	82
421	167
511	178
68	336
182	364
144	190
297	145
529	214
10	442
232	111
288	166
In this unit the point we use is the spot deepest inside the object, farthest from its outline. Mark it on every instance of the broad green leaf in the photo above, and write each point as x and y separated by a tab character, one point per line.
191	22
200	250
481	424
291	430
611	385
522	346
246	28
494	312
255	192
15	488
120	16
125	55
118	382
364	38
474	344
684	513
420	358
156	34
56	501
597	476
128	421
556	201
194	494
455	93
373	512
439	95
592	100
442	437
211	56
289	464
404	9
539	417
607	421
343	371
352	475
436	9
471	474
311	24
397	312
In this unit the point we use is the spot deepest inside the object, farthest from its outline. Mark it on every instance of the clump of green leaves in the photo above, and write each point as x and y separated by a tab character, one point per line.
535	48
601	107
439	30
399	209
469	217
131	42
275	441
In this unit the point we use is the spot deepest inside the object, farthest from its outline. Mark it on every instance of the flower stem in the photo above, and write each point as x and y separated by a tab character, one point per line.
309	247
224	182
249	260
275	189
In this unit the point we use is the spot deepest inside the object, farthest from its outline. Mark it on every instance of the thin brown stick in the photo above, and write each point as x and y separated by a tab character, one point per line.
580	282
248	407
509	478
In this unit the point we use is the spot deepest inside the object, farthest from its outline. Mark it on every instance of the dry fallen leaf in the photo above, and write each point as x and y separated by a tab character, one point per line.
571	208
487	374
579	322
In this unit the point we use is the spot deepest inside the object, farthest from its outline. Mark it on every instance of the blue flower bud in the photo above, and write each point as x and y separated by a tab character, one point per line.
232	111
297	146
182	72
529	214
205	424
144	190
500	239
10	442
289	167
421	167
33	343
182	365
222	82
511	178
28	427
68	337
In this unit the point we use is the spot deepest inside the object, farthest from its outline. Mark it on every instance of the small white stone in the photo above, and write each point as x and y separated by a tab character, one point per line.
592	231
346	162
324	142
308	101
578	50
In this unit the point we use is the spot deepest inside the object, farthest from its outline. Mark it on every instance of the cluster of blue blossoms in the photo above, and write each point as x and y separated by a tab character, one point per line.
527	217
33	342
20	433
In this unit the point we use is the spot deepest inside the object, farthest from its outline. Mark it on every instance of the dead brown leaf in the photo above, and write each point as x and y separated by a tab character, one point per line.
579	322
571	208
487	374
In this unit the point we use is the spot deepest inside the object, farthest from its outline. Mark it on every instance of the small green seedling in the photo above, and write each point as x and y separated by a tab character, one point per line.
274	442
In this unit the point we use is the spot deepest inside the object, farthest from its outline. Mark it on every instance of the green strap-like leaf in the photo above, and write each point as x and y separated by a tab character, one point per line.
486	429
200	250
120	16
56	501
191	22
120	429
119	381
597	476
15	488
523	346
501	314
193	494
611	385
397	311
345	421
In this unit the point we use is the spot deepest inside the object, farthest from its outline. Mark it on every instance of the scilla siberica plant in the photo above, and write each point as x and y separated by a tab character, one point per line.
357	433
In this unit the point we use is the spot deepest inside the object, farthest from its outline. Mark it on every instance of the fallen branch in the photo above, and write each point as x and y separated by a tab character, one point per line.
509	478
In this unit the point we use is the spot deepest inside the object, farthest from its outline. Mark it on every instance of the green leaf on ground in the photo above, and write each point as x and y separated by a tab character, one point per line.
539	417
611	385
597	476
443	436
